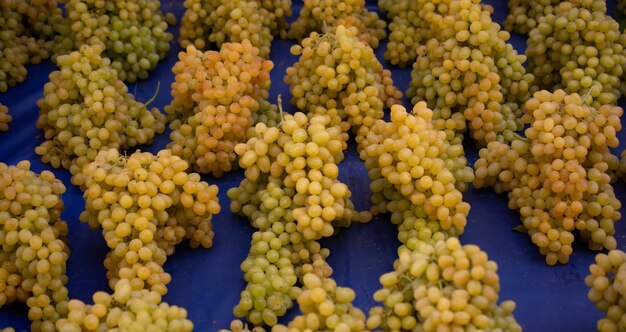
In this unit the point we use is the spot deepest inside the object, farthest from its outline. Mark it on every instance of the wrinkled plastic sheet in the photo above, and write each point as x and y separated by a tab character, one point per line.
207	282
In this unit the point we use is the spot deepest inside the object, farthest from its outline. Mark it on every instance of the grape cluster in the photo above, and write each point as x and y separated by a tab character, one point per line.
524	15
5	118
30	31
86	108
326	15
145	205
339	75
325	307
34	253
215	97
442	286
578	49
468	72
132	34
558	176
127	309
221	21
417	174
622	165
292	195
607	288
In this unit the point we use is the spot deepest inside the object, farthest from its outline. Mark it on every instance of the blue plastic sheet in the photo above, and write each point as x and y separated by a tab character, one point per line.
207	282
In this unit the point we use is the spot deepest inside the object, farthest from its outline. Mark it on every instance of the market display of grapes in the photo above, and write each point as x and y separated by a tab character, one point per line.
545	130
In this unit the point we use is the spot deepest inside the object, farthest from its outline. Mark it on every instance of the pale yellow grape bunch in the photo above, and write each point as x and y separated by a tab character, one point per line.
468	71
339	75
30	31
409	156
325	307
215	97
525	15
578	49
126	309
207	22
34	253
442	286
5	118
133	34
85	109
607	289
292	195
145	205
558	176
325	15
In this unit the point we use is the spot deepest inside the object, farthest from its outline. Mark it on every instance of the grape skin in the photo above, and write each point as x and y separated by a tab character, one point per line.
5	118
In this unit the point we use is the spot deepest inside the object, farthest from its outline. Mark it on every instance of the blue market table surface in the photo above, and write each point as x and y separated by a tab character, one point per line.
207	282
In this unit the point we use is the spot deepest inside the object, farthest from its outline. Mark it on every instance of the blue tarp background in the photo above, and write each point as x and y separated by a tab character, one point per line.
207	282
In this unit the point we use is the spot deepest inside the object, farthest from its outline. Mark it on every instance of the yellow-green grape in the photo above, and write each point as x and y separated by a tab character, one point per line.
5	118
326	15
217	22
463	79
127	309
325	307
441	286
86	109
34	253
132	34
577	48
145	205
215	97
607	288
558	177
339	75
419	163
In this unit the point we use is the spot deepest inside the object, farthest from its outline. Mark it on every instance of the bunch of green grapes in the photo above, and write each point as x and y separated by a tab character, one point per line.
339	75
416	173
607	288
326	15
86	108
217	22
442	286
215	97
34	253
30	31
468	72
145	205
132	34
325	307
578	49
525	15
292	195
558	176
5	118
127	309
